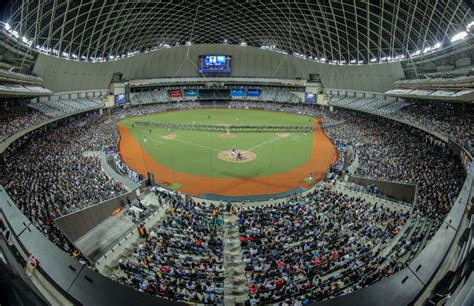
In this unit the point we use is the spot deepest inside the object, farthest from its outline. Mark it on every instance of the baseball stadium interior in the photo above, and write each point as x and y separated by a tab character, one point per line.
292	152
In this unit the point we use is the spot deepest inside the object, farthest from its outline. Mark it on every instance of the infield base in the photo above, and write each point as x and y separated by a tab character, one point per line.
227	135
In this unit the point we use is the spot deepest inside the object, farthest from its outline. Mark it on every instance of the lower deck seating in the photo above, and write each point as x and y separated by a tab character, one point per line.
182	258
317	245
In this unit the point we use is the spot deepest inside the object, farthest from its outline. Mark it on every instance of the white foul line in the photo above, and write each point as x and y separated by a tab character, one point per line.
217	150
265	142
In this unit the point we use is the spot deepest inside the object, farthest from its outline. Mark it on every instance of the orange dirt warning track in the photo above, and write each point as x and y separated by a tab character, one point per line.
323	154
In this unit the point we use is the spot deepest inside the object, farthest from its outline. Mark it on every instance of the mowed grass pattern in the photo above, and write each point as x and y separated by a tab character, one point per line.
196	152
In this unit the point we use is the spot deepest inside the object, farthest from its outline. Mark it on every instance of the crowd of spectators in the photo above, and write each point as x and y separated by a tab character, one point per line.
312	246
327	244
445	118
308	248
183	257
15	117
48	175
394	152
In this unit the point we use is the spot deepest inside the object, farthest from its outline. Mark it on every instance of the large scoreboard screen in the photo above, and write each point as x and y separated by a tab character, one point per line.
119	99
310	97
212	63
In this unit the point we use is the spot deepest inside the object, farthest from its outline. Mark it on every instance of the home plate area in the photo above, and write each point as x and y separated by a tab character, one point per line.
237	156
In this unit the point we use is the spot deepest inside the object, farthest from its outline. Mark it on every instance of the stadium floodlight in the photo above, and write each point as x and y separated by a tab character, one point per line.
300	55
225	41
188	43
470	25
360	62
373	60
417	52
436	46
353	61
459	36
243	44
26	41
7	26
427	49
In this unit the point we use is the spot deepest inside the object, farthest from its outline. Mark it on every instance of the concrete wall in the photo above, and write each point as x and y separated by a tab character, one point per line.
79	223
64	75
399	191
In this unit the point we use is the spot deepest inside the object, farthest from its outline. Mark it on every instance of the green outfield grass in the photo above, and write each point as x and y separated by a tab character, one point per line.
196	152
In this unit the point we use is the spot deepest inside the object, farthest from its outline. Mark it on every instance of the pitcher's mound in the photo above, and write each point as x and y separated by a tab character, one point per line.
282	135
247	156
225	135
169	136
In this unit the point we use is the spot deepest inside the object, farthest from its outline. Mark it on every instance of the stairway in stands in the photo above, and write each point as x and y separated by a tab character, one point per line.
235	285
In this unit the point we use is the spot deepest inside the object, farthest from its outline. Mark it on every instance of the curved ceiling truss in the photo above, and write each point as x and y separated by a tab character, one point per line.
347	31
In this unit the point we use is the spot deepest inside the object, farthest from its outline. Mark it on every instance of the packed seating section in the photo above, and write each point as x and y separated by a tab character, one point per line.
347	243
314	246
182	258
15	117
395	152
47	175
445	118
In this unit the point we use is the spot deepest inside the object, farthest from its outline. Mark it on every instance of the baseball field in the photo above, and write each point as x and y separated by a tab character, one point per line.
248	163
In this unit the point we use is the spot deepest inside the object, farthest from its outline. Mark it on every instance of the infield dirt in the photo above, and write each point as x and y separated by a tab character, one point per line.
323	155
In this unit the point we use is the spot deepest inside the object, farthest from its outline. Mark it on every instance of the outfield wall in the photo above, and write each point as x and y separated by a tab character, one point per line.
181	61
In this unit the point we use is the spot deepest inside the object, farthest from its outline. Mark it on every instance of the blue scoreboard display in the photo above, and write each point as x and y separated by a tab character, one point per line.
253	92
190	93
237	92
310	97
213	63
119	99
